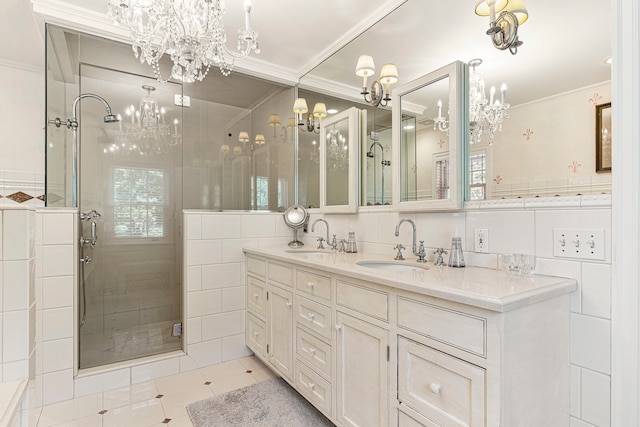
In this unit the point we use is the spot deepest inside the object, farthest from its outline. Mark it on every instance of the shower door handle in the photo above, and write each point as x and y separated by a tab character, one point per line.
94	232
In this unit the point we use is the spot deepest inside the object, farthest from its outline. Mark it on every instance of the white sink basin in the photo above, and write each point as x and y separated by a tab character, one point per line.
390	265
305	251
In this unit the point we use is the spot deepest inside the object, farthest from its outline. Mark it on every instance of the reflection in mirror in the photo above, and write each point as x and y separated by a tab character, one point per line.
430	113
339	145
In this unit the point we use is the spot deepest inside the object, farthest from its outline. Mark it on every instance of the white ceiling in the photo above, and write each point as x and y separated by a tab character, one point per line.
565	42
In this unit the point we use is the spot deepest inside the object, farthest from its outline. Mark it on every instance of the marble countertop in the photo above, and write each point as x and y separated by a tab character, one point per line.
480	287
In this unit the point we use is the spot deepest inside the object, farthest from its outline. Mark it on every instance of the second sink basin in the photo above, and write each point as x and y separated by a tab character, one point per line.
390	265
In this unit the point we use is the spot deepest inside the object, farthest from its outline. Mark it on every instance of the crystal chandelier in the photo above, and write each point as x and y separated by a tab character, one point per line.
190	31
485	115
337	149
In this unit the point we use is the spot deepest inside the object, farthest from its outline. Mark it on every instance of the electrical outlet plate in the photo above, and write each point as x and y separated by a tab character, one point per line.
181	100
481	240
579	243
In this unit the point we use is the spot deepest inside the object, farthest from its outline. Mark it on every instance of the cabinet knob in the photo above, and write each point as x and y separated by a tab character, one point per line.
338	327
312	351
311	284
255	296
435	388
312	386
289	304
311	316
256	334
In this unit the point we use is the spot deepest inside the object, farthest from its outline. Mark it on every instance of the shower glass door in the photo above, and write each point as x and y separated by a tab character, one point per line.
130	176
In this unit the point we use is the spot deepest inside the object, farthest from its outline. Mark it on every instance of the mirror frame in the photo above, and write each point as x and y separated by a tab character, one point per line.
354	117
457	73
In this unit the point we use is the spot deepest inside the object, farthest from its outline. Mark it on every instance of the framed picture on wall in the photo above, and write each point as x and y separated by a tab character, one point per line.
603	137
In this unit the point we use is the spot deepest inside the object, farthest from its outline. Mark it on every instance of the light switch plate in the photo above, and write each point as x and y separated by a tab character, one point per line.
579	243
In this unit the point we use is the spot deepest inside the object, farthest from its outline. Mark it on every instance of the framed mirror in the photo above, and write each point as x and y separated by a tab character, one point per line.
429	116
340	137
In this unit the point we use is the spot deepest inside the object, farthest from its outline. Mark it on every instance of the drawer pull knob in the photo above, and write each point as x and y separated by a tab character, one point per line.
311	284
289	304
255	296
312	386
312	351
256	334
435	388
311	316
338	327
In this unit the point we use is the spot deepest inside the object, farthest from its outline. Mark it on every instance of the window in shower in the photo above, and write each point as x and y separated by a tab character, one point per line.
139	202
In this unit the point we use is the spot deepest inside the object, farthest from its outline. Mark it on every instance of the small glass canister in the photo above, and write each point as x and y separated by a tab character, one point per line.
456	257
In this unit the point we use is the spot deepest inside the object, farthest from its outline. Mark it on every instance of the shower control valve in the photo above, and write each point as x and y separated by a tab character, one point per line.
85	260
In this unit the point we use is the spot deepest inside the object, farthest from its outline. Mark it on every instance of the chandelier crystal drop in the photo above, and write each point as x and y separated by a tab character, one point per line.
337	149
191	32
485	114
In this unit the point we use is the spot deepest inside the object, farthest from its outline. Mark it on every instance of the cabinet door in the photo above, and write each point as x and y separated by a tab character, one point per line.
362	372
280	323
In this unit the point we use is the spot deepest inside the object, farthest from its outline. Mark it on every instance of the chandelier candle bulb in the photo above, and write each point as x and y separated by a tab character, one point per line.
247	15
503	89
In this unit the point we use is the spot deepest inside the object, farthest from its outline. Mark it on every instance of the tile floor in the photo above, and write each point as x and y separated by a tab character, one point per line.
158	403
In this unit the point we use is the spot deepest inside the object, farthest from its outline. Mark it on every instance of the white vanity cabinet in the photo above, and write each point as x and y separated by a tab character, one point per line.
388	350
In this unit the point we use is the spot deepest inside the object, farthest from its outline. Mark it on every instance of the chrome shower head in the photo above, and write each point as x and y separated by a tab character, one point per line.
110	118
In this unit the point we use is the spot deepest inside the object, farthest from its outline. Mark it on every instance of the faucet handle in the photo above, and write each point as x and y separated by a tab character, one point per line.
334	243
421	254
399	248
320	240
439	252
342	245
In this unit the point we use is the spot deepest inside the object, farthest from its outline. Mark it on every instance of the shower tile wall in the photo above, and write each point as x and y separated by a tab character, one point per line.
19	188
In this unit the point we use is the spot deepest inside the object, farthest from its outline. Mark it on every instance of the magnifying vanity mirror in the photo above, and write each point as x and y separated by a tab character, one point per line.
429	116
295	217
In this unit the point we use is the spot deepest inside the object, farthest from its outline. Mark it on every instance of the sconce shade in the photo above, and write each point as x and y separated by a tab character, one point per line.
518	8
389	74
291	123
224	148
320	110
300	106
237	150
260	139
243	137
365	66
274	120
483	7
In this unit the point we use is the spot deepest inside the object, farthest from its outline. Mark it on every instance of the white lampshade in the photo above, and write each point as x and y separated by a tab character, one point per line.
518	8
243	137
300	106
291	123
237	150
320	110
483	7
260	139
274	120
365	66
389	74
224	148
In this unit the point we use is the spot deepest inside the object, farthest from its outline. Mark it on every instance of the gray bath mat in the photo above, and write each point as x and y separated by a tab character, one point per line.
271	403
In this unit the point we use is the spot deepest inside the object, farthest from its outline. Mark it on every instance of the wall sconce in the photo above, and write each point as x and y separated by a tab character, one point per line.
441	123
319	112
274	122
243	137
224	148
237	150
388	76
259	139
503	30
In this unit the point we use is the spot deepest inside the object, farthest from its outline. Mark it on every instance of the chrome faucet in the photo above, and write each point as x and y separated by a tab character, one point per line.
417	251
320	239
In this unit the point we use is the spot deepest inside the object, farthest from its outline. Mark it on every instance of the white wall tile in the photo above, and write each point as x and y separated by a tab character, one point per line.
187	364
596	398
57	229
282	229
562	268
223	325
194	278
111	380
206	353
232	249
204	303
221	226
258	225
437	229
365	225
57	386
39	226
193	330
575	391
193	226
510	231
57	355
17	370
575	422
200	252
15	285
153	370
591	343
15	336
596	290
222	275
1	235
233	298
57	291
234	348
57	323
38	261
57	260
387	222
16	232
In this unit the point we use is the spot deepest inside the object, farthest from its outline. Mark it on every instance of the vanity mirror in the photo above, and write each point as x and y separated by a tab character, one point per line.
429	133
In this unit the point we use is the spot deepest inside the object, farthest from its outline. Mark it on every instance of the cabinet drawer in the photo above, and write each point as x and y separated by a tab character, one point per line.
455	328
314	284
315	388
257	266
368	301
445	389
314	316
405	420
314	352
281	273
256	295
256	335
